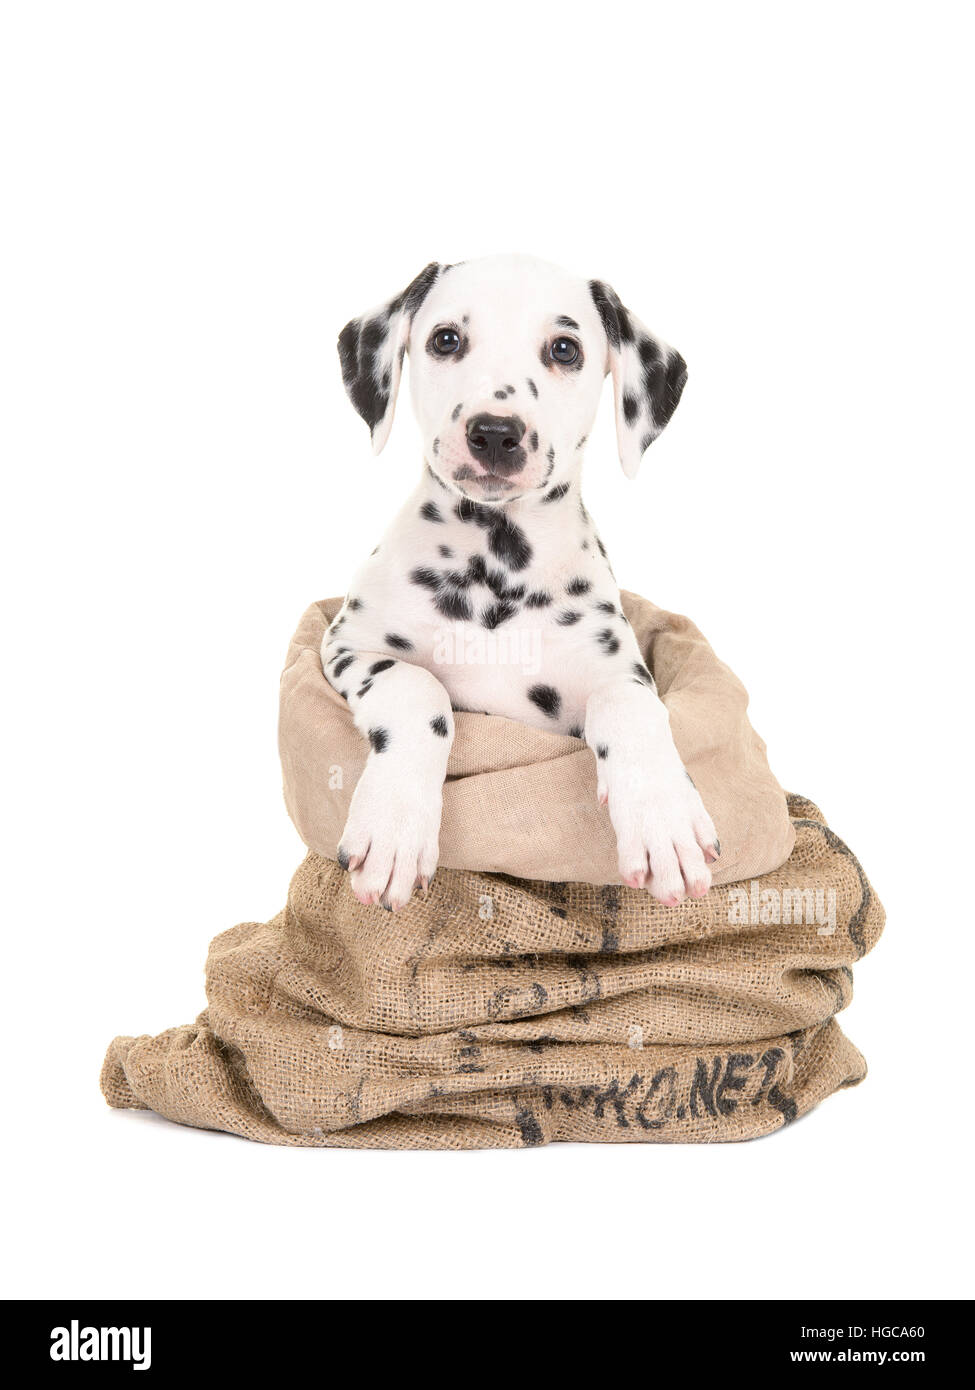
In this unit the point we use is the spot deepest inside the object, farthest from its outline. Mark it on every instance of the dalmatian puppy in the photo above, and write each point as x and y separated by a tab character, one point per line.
507	360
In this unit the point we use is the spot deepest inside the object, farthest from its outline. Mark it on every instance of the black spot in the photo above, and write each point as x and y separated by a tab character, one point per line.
663	380
630	407
575	587
576	731
364	689
500	395
436	446
582	441
477	570
602	549
418	289
359	344
427	578
642	674
532	387
379	739
378	666
533	440
568	618
439	725
431	512
437	479
547	698
650	354
551	454
447	590
498	613
601	750
615	319
505	540
453	603
342	665
606	607
355	604
400	644
557	493
455	413
500	588
446	552
538	599
609	642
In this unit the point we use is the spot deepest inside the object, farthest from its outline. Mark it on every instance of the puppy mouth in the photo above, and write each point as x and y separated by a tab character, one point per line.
493	481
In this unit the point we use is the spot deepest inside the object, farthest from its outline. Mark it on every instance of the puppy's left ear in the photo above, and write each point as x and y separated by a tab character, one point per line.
371	351
648	377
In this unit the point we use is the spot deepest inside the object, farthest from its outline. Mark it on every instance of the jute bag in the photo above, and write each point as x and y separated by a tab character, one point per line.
531	997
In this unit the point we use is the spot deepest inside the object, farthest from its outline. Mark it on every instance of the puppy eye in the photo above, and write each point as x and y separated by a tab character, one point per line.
445	341
564	350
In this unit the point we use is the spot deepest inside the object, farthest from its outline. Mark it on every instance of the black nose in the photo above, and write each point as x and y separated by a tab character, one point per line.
495	441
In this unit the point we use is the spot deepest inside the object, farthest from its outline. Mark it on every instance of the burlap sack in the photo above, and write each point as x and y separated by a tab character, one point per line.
505	1011
522	801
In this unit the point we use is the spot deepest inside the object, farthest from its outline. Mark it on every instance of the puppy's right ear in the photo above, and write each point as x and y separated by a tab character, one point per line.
372	348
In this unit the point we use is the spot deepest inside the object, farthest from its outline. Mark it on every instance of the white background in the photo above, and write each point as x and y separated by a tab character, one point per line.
196	198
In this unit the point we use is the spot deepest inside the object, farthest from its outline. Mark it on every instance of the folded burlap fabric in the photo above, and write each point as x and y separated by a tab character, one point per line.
531	997
522	801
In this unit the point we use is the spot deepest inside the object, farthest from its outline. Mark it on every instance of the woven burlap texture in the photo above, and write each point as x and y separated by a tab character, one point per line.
509	1011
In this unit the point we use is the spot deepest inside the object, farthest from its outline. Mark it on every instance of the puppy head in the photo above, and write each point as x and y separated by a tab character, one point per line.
508	355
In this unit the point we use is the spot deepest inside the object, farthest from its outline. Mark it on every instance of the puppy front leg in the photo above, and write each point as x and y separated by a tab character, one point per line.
665	837
391	836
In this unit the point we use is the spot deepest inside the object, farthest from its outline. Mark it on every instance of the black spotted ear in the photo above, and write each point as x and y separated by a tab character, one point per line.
371	351
648	377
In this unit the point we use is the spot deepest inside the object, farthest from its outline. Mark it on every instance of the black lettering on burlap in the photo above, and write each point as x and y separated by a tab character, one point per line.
732	1080
703	1086
770	1060
770	1090
665	1077
617	1098
531	1130
783	1103
514	1002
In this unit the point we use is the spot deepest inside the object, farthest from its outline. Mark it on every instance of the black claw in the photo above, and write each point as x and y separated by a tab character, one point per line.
343	859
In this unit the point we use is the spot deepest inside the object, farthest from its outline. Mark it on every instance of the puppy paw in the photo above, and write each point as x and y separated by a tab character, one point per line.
665	838
391	838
